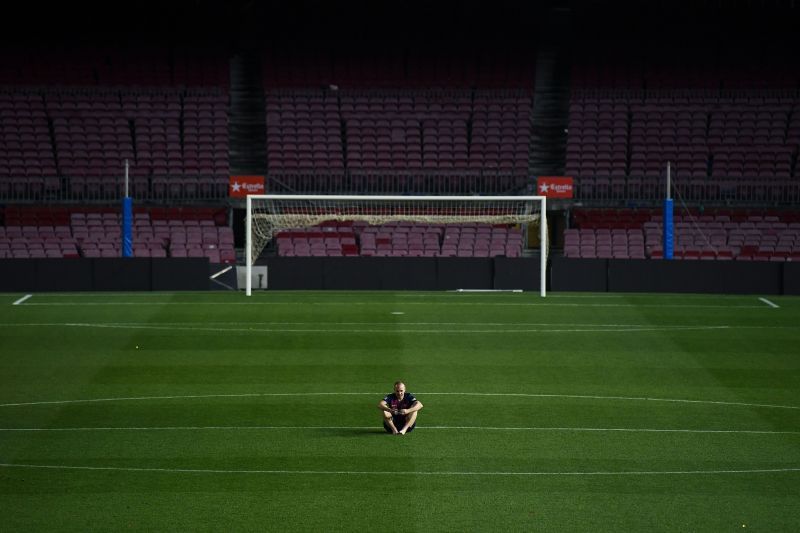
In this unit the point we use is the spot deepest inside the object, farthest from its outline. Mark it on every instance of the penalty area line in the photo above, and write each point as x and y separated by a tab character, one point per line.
344	327
401	472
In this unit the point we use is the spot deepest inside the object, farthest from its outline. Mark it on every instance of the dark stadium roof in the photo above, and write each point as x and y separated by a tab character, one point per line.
415	20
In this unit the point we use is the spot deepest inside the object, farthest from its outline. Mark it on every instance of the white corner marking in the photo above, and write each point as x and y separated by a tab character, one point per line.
774	306
19	302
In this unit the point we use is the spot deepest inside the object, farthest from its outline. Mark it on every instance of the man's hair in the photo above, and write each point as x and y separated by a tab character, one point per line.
396	383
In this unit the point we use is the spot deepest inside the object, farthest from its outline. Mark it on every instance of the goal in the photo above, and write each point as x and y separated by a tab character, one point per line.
269	214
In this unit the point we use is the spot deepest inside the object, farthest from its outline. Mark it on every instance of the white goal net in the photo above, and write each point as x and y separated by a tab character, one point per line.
267	215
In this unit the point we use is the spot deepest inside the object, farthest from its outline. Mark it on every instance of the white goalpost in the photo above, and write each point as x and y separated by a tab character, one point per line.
268	214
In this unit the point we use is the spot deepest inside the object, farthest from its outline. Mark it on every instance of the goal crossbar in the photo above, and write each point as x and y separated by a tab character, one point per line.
288	211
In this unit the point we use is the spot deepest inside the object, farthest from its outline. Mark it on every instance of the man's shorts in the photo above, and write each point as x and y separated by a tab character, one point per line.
399	422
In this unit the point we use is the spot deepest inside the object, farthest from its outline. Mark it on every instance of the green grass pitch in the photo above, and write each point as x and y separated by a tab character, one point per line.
576	412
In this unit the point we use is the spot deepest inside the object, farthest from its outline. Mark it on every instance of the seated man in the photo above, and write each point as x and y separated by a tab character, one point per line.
399	410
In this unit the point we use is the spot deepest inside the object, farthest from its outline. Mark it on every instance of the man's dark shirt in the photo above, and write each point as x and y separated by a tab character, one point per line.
393	403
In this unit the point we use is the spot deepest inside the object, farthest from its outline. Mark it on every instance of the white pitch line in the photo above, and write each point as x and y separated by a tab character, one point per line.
457	304
478	394
485	290
621	398
390	323
259	326
774	306
377	429
401	472
193	396
19	302
620	430
443	295
340	330
635	296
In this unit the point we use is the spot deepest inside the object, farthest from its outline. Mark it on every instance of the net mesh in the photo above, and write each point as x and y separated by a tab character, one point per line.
273	214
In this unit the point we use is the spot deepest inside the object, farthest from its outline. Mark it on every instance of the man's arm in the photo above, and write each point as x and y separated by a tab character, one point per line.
416	406
383	406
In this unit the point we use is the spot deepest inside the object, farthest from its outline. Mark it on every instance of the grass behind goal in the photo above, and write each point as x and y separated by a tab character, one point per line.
576	412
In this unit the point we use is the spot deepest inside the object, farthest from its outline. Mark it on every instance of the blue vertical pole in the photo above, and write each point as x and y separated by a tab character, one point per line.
667	219
127	220
668	233
127	227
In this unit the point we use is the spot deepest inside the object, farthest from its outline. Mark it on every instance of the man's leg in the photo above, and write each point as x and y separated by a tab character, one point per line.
411	419
388	423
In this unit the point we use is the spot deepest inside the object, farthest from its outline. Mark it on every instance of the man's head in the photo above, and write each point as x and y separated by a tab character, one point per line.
399	389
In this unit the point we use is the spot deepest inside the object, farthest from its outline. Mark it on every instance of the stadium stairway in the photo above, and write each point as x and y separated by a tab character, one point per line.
551	97
248	126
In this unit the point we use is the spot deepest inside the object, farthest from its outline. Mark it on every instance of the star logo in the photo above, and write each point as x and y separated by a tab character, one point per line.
554	186
242	186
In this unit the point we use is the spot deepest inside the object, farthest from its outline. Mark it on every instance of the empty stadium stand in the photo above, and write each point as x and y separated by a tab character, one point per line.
403	118
721	234
399	141
738	145
402	239
70	117
71	232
